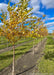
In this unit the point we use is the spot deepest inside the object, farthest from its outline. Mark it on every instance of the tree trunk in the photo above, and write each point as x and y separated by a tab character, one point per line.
33	46
13	71
41	40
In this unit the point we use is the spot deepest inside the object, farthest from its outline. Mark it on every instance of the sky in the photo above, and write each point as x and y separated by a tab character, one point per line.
40	7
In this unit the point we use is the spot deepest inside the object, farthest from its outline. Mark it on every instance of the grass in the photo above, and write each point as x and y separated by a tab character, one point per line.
6	58
5	45
46	63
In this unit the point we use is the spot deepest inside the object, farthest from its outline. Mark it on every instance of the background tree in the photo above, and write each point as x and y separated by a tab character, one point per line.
53	33
35	24
43	31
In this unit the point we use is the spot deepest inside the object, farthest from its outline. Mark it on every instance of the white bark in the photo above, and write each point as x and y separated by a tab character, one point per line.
13	71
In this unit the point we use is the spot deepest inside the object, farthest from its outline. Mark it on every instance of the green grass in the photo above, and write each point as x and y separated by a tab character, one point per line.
46	63
2	46
6	58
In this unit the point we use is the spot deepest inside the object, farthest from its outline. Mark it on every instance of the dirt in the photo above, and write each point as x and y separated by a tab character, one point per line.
30	61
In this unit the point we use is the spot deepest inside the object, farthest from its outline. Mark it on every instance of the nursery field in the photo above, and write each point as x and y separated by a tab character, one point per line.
45	63
6	57
26	37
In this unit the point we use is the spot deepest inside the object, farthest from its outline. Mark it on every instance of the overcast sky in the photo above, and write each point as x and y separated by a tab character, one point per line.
40	7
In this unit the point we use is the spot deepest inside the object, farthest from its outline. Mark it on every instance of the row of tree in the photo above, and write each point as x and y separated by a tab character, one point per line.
21	24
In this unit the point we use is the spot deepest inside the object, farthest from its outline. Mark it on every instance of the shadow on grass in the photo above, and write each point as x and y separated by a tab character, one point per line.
50	42
49	55
8	56
20	49
26	45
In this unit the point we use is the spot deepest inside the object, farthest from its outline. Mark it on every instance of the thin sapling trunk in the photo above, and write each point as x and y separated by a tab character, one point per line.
13	69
